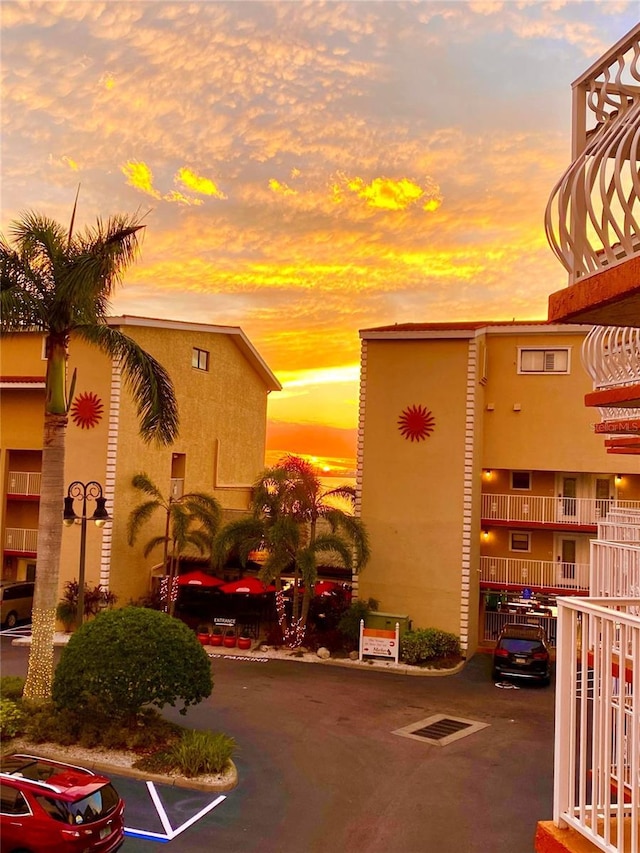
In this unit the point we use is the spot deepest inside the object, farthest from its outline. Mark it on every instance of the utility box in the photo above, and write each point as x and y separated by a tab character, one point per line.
387	622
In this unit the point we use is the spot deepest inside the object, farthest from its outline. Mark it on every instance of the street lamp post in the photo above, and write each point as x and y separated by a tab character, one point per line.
84	491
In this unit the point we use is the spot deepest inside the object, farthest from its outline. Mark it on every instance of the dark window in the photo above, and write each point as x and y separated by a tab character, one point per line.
200	359
12	801
520	542
521	480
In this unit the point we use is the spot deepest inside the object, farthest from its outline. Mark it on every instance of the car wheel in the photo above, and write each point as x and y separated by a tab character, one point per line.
11	620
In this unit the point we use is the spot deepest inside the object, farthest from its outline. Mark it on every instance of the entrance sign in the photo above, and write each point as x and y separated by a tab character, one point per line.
379	643
224	622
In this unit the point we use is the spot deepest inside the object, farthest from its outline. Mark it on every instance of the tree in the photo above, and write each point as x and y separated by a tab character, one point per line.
288	504
58	282
126	659
179	533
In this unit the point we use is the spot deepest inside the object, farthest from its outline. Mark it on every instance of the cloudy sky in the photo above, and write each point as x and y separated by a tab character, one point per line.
309	169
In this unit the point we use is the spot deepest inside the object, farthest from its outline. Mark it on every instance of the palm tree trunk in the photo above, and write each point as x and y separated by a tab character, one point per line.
40	673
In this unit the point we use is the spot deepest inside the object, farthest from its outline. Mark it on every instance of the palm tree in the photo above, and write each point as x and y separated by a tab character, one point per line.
288	503
179	534
60	283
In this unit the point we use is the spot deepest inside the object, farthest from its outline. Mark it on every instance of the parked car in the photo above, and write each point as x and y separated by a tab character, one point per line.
16	602
522	651
47	806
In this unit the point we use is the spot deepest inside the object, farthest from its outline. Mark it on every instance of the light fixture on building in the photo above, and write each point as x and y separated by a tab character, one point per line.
618	479
485	534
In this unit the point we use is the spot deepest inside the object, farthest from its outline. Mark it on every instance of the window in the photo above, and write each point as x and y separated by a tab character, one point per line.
12	802
520	541
521	480
200	359
543	360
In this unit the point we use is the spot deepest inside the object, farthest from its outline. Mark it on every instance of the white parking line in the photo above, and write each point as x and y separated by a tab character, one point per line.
170	832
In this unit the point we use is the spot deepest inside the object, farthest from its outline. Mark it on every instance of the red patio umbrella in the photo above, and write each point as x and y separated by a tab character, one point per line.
250	586
325	587
198	578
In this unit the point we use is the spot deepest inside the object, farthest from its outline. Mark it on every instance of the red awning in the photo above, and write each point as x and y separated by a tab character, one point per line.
247	586
198	578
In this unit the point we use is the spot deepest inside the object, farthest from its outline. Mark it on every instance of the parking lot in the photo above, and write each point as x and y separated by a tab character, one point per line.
322	769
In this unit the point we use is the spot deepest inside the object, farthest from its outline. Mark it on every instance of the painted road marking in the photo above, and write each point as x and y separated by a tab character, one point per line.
170	832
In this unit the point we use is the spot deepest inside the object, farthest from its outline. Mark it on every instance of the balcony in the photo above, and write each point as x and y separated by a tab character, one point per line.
537	511
24	483
20	541
592	219
597	743
615	569
508	572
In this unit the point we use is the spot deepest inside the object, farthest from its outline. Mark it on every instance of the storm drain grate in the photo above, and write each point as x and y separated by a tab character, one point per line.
440	729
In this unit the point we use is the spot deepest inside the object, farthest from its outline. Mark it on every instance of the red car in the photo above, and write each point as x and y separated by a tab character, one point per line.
50	807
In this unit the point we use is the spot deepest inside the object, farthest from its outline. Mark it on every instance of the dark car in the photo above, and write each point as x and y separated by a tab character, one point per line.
47	806
522	651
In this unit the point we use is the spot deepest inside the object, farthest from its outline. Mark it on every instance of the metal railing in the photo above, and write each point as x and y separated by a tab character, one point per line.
24	483
536	509
593	215
20	539
597	741
534	573
615	569
494	622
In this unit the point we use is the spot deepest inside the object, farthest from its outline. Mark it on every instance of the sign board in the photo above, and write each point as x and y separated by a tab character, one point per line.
225	622
379	643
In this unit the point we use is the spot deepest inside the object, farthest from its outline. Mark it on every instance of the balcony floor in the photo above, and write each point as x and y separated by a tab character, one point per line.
607	298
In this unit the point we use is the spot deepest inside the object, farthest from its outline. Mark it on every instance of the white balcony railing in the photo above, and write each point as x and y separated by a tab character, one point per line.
20	539
534	573
597	741
24	483
615	569
536	509
592	219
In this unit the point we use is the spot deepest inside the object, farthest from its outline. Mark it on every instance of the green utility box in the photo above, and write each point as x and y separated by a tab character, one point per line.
387	622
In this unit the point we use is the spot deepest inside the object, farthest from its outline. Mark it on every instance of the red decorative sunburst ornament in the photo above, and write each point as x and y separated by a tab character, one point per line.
416	423
86	410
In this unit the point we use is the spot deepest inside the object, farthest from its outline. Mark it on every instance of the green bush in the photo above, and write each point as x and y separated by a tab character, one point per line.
11	718
125	659
426	644
349	624
195	754
11	687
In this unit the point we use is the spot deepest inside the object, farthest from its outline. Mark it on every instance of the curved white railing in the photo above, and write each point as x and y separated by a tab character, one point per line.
611	356
592	219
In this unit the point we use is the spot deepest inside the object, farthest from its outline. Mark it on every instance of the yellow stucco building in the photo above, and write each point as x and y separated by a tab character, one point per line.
481	478
221	384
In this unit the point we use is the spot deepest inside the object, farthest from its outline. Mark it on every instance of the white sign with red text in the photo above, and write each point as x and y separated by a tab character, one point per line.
379	643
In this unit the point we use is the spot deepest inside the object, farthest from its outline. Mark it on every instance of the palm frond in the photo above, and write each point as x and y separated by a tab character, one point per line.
153	543
139	516
244	533
145	484
149	383
330	543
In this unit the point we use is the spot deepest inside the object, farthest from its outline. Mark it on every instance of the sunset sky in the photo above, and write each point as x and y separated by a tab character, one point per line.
309	169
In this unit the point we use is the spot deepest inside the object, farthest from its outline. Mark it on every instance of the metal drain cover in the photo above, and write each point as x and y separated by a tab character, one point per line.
440	729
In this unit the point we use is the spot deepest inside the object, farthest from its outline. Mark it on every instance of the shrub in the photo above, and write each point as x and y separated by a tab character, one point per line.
195	754
12	718
428	644
126	659
349	624
11	686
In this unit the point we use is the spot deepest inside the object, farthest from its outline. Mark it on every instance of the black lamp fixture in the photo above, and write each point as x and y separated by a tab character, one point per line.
84	491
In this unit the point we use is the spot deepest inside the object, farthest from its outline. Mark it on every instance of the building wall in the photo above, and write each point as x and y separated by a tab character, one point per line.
222	438
413	492
421	500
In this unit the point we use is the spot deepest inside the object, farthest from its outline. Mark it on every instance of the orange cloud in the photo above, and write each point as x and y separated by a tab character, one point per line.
140	176
279	188
389	194
198	184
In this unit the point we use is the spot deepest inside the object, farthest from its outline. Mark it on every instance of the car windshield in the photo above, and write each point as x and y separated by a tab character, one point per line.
89	809
519	646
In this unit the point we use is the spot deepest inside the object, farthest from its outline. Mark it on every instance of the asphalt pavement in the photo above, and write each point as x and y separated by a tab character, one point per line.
321	769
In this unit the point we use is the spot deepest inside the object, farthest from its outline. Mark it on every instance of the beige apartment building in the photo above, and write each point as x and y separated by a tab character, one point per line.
481	477
222	385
